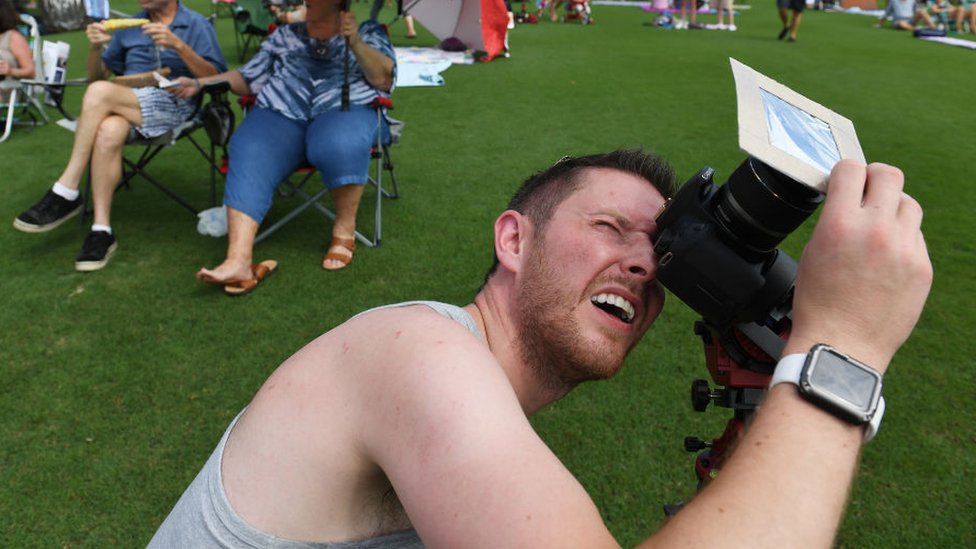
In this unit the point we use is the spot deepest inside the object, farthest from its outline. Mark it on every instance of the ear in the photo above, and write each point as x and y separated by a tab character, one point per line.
511	231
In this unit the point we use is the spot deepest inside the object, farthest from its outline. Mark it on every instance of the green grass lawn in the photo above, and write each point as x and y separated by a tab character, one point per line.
117	384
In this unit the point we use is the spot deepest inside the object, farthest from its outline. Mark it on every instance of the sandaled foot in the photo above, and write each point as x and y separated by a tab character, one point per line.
225	273
259	272
340	253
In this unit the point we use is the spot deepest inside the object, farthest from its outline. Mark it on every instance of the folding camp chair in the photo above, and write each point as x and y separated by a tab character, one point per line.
388	135
24	105
216	6
214	116
253	21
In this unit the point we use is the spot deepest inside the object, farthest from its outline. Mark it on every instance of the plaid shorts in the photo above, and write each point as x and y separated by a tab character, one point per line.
161	111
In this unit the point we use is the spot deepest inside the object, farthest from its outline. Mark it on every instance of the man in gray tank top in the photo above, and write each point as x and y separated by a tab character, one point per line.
407	425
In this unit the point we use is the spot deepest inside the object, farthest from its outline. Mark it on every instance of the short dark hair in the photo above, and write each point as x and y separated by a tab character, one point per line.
8	16
540	194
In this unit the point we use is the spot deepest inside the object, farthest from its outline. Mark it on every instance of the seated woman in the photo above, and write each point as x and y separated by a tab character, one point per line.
297	76
906	15
965	11
16	60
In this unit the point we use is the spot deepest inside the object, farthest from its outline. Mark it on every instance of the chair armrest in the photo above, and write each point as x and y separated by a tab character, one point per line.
214	90
56	91
140	79
382	102
66	83
217	86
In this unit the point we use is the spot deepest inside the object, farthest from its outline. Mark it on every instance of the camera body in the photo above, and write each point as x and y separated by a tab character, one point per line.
717	245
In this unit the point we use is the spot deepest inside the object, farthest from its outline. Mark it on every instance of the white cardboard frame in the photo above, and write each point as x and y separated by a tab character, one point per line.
754	133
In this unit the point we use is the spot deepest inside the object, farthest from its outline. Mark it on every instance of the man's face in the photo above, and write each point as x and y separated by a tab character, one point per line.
588	291
154	5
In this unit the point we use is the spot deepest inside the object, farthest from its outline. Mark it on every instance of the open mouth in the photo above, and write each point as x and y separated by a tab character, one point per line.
615	305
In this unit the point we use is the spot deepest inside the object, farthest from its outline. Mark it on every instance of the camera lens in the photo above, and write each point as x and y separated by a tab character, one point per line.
758	206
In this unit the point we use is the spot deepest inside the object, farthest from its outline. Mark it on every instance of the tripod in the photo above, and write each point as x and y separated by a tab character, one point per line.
741	359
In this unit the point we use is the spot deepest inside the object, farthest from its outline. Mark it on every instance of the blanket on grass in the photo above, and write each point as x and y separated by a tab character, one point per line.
422	66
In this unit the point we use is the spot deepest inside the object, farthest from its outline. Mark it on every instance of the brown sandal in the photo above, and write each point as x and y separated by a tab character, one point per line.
344	258
259	272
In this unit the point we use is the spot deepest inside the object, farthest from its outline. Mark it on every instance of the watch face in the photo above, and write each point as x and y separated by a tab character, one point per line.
843	380
849	388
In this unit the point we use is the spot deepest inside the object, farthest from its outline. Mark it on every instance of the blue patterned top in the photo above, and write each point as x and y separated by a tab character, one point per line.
301	77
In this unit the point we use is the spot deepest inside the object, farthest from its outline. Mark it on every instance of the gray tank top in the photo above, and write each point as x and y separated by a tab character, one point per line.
5	53
203	516
8	56
453	312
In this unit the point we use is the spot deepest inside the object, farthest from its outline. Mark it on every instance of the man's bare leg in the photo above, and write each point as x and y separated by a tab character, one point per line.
106	165
102	99
923	15
795	24
346	200
241	231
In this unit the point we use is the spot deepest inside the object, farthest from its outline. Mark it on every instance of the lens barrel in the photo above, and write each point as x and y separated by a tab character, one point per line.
759	207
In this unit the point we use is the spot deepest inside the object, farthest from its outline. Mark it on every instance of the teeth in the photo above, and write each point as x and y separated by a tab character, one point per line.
625	309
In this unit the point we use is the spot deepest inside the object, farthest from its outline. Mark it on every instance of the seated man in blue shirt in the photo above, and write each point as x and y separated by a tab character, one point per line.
174	38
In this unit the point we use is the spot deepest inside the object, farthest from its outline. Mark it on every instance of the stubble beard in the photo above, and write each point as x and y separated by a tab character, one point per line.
550	338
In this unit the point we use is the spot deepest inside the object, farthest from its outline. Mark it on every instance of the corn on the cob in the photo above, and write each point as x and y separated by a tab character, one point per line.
116	24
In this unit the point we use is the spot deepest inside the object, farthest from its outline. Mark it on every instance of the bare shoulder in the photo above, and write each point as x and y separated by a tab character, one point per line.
398	360
447	429
416	359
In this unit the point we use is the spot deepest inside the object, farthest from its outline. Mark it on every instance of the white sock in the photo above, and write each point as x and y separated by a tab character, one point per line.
65	192
102	228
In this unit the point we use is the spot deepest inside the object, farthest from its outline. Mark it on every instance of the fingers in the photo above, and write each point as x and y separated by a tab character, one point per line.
865	273
876	188
883	191
349	26
846	186
96	34
158	33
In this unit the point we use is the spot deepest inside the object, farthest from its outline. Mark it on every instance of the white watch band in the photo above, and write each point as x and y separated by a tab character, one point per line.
788	371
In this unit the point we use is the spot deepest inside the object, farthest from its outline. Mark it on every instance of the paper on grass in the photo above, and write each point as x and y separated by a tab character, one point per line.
789	132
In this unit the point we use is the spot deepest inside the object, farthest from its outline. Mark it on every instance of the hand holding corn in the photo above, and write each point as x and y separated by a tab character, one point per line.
99	33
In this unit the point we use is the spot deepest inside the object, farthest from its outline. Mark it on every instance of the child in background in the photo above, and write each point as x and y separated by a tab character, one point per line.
727	6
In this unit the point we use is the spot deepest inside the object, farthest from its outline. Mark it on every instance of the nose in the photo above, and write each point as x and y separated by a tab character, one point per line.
641	261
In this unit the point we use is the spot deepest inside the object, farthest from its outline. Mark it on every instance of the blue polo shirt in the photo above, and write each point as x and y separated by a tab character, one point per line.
132	52
301	77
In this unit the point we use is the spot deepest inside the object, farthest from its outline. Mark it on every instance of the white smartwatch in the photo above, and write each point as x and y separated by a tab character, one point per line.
837	383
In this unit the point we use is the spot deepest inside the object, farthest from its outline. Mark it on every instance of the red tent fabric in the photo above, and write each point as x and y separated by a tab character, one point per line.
481	24
494	27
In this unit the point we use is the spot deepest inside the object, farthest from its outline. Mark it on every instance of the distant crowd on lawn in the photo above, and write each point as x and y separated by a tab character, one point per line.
957	17
943	16
302	60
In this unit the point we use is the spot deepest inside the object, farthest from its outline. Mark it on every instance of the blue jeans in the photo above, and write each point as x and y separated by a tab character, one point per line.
268	147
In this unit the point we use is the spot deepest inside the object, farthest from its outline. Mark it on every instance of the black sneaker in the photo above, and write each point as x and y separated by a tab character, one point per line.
47	214
98	247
